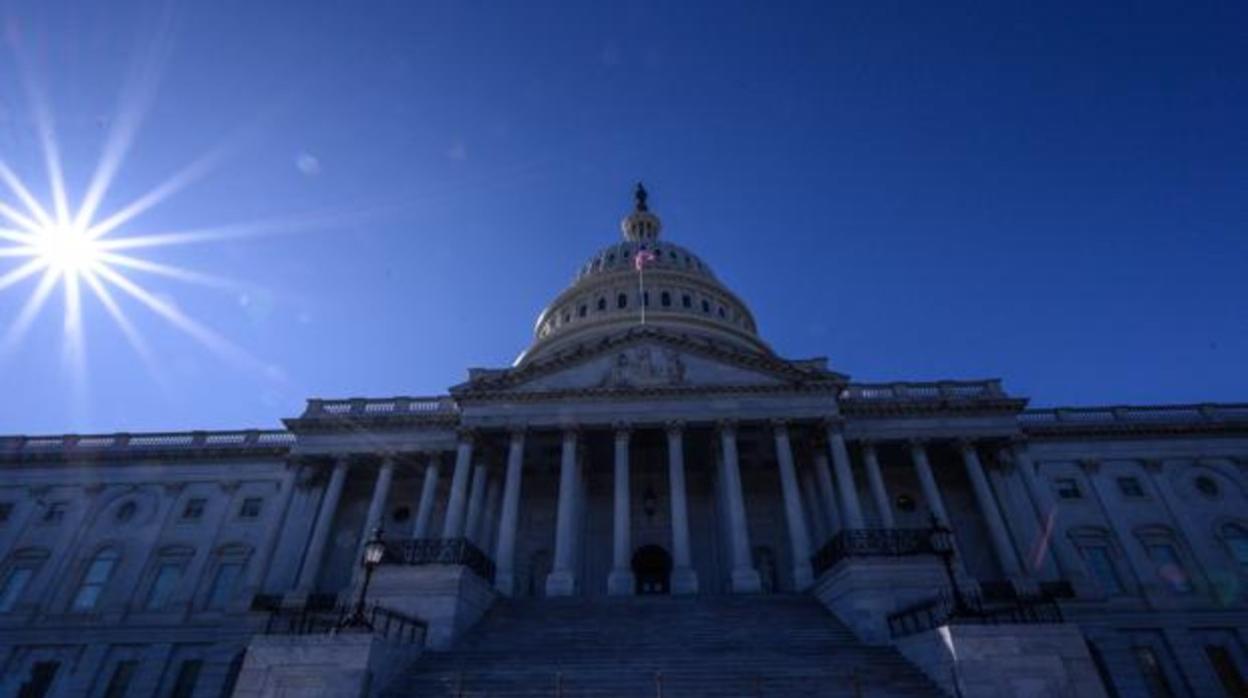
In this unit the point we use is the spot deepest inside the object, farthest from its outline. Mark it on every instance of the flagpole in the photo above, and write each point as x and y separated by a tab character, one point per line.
641	289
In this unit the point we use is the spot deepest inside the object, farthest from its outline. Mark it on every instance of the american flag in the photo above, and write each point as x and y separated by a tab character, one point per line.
643	258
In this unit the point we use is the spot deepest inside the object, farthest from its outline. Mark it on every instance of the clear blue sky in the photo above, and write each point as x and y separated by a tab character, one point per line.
1053	195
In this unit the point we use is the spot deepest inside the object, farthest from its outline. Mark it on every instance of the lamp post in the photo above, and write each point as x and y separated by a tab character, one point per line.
374	551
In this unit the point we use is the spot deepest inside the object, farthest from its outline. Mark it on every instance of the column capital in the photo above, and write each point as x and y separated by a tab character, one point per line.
1153	465
466	434
917	443
622	430
1090	465
569	431
674	427
779	424
726	426
965	443
517	431
832	423
867	444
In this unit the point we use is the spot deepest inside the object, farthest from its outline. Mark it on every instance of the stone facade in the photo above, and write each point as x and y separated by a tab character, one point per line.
675	455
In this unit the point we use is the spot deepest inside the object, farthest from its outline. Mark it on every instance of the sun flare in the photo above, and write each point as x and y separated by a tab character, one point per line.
68	249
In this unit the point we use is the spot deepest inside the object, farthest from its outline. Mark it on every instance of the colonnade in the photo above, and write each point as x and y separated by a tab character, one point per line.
828	491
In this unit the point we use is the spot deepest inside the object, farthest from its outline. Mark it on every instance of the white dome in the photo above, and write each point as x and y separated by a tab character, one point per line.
680	294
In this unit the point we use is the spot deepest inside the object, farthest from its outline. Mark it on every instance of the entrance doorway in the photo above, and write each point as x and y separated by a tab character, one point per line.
652	568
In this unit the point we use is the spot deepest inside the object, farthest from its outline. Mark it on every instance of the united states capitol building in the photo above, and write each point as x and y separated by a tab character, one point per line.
651	501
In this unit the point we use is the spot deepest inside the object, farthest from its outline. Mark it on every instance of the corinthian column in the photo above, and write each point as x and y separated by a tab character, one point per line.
562	580
620	582
320	533
992	515
799	538
684	579
745	578
504	578
851	512
453	525
424	510
876	480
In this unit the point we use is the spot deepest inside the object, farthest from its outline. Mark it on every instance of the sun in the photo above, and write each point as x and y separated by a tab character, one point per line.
67	249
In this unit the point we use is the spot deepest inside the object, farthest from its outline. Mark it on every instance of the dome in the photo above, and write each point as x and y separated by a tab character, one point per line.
676	291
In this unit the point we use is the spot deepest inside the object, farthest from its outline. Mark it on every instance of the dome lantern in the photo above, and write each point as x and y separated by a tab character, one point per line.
641	225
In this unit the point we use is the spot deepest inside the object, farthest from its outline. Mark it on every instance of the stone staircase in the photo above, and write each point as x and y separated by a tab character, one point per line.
702	647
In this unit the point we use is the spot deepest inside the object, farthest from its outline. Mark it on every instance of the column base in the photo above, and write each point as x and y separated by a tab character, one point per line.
505	582
684	581
746	581
803	577
560	583
621	583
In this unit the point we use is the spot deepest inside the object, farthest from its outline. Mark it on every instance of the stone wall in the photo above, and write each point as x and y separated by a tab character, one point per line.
996	661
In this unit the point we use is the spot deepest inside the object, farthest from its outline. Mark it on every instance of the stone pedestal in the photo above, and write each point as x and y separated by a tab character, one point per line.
746	581
862	592
621	583
450	598
321	666
987	661
684	581
560	583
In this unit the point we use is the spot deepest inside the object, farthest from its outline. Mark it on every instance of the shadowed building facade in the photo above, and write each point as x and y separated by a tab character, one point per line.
647	443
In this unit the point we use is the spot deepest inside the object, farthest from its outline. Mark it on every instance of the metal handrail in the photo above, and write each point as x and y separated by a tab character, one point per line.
971	610
384	622
872	542
440	551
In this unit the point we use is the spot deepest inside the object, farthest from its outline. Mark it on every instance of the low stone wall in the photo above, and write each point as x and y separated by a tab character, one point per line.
999	661
862	592
450	598
321	666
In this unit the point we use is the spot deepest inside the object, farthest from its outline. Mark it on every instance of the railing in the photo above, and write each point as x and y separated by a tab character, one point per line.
382	621
936	390
872	542
438	551
362	407
971	610
155	441
1121	415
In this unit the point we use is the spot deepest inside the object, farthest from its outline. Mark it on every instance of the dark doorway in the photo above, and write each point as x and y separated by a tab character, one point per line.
652	568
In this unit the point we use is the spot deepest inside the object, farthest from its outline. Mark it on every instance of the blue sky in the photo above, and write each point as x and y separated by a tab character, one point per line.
1051	194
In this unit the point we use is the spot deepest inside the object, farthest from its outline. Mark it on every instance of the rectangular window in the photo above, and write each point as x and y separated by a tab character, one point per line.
223	584
1170	567
119	684
1102	567
250	508
1130	487
1153	673
42	674
93	583
1067	488
194	509
6	511
163	585
188	676
1228	674
55	513
14	584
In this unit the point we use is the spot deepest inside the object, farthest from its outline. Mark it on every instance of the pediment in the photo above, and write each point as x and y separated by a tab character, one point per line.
647	362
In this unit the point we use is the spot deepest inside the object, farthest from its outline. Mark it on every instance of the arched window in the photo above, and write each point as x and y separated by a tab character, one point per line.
1235	537
228	573
602	304
126	512
1168	562
582	311
621	301
666	299
99	571
1099	554
686	301
706	306
16	575
166	577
